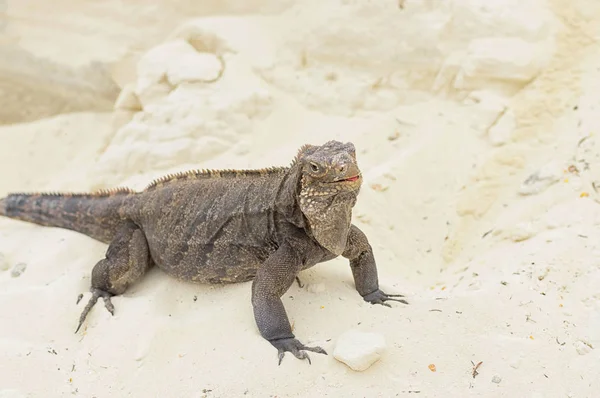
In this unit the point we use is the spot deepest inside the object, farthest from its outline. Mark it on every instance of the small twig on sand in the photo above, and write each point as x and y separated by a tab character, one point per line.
475	367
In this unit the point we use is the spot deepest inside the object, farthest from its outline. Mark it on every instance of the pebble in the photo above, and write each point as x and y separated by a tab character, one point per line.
359	350
18	269
496	379
582	348
539	181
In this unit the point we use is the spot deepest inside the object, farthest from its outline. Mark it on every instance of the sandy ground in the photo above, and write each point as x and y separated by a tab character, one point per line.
476	128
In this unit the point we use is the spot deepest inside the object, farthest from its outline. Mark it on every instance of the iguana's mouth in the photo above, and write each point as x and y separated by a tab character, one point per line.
350	179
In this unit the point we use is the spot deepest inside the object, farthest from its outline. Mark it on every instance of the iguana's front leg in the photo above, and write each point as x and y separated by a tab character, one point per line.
273	279
364	270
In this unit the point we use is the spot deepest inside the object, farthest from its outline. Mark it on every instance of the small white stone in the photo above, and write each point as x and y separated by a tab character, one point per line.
582	348
541	179
359	350
18	269
496	379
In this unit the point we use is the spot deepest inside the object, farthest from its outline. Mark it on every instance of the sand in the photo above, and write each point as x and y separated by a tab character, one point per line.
476	129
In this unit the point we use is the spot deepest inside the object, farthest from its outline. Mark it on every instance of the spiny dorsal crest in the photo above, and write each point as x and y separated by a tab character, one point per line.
205	173
98	193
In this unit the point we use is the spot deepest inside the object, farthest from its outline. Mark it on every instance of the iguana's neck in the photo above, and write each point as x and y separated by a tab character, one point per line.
287	198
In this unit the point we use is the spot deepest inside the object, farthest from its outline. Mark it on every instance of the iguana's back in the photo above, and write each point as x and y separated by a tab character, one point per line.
215	228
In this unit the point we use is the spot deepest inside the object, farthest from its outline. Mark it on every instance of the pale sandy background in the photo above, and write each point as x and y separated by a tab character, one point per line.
476	124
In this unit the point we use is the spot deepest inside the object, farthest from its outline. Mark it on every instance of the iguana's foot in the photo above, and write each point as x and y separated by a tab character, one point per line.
296	348
96	294
379	297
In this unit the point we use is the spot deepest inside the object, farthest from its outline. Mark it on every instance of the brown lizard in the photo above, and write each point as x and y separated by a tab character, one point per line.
224	226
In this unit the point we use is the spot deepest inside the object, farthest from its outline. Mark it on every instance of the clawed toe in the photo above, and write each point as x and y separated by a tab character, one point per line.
109	305
96	294
398	300
296	348
379	297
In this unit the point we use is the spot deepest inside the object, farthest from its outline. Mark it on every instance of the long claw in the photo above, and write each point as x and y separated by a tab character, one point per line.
318	350
296	348
96	294
379	297
400	301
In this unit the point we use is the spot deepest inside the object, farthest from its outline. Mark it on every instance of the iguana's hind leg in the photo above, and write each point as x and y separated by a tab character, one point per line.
126	261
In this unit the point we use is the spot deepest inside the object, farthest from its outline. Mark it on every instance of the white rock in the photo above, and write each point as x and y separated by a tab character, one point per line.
582	348
18	269
194	67
541	179
496	379
359	350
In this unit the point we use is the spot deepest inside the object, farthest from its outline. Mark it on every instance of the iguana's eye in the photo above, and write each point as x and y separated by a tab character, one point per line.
314	167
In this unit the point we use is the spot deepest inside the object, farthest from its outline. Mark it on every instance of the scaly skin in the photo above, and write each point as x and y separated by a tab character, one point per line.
224	226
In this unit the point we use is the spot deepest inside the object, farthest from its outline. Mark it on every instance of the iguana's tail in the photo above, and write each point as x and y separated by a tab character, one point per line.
97	215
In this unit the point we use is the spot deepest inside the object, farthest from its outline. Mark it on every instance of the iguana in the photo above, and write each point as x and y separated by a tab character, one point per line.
224	226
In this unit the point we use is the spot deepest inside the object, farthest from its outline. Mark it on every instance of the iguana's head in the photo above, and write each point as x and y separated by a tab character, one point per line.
330	182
